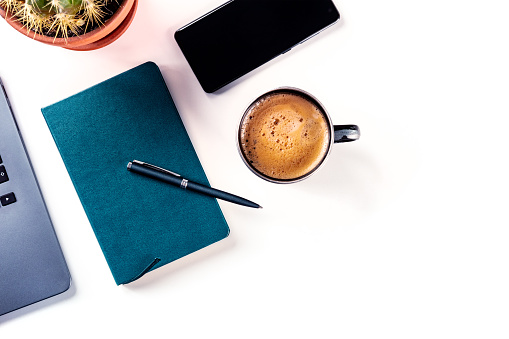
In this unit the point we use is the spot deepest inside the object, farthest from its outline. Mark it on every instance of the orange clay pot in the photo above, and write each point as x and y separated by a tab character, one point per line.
102	36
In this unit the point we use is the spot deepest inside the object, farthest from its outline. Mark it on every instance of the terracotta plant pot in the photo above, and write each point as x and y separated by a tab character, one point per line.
102	36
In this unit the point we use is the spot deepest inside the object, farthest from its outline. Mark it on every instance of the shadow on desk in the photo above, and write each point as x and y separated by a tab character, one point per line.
191	260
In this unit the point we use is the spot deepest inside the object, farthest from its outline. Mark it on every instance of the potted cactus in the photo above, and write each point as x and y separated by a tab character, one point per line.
71	24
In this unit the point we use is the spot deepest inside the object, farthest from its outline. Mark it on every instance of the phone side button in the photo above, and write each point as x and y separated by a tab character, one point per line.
288	50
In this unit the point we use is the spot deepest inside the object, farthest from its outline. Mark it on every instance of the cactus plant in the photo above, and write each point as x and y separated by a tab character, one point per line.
58	18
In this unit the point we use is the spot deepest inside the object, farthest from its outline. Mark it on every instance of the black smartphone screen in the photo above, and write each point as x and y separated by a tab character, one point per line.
241	35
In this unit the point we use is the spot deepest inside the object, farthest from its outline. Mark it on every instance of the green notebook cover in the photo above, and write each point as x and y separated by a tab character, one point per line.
141	224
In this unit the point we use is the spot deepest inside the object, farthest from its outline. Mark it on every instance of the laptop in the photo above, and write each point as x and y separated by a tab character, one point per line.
32	266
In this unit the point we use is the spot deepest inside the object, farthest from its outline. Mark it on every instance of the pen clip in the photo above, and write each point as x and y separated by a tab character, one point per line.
159	169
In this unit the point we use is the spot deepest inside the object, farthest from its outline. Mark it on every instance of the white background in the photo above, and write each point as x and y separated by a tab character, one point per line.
403	234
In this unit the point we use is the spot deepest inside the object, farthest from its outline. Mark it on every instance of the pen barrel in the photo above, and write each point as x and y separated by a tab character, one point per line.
148	172
199	188
176	180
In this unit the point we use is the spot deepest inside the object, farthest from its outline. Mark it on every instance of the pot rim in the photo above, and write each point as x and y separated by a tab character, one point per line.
102	31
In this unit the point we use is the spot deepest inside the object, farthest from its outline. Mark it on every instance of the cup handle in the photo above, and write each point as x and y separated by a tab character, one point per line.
345	133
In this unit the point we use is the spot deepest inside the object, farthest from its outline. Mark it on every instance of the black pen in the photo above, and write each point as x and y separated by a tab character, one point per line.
175	179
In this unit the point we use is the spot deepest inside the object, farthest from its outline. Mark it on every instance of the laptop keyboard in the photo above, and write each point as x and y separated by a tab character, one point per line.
9	198
32	266
3	174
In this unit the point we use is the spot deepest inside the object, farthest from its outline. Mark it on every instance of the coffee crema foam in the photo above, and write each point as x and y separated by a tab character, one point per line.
284	136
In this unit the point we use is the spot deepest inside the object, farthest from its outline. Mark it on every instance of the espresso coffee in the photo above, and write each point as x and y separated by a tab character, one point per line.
284	135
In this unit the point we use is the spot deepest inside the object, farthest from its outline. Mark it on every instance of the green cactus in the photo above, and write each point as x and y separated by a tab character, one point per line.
59	18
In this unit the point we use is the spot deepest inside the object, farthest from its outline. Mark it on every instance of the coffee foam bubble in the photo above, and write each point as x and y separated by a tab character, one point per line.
284	136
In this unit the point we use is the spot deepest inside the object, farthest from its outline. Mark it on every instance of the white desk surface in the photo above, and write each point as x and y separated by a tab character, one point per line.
403	234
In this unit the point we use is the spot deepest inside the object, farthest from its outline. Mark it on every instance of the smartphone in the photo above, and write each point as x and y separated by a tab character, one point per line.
241	35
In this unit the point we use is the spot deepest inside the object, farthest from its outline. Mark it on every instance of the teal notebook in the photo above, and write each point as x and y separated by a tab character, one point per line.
141	224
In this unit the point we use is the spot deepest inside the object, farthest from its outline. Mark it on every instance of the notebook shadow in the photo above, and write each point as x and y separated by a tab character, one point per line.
165	272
